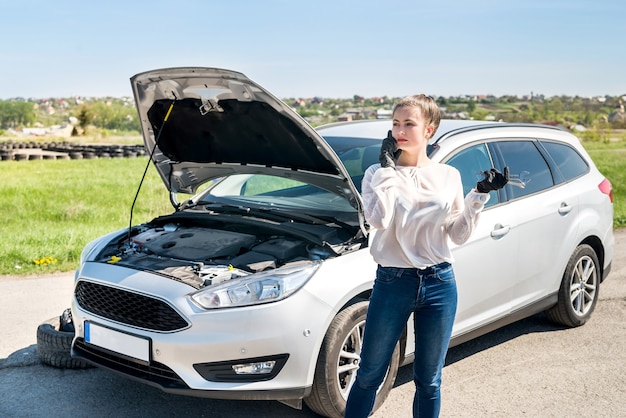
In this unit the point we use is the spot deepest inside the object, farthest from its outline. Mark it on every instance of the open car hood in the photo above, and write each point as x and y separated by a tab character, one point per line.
209	123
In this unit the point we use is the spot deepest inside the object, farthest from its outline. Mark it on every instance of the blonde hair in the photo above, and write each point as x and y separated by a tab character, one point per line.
426	104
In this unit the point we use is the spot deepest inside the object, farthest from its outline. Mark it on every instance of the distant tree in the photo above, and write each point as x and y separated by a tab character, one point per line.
555	105
480	114
471	106
85	115
16	113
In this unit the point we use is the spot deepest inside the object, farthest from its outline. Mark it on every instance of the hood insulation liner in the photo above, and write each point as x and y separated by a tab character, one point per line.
234	132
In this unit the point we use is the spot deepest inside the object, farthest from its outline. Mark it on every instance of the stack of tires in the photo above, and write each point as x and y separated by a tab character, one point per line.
19	151
54	342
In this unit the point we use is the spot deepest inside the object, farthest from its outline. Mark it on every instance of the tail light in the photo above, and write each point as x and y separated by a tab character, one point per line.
606	188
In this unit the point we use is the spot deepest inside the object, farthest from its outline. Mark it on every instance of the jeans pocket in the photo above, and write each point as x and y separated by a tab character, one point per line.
445	274
387	274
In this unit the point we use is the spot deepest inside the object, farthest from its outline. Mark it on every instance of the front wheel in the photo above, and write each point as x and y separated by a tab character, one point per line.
579	289
338	362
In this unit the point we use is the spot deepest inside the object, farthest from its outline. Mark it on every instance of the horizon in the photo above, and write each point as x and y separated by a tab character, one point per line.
459	96
322	49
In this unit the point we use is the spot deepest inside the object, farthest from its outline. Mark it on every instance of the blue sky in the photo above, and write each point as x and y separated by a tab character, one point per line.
324	48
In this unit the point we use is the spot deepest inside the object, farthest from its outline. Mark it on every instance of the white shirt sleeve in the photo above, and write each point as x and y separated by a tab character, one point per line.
379	191
465	215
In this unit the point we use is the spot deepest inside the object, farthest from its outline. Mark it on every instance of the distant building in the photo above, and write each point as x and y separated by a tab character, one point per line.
383	114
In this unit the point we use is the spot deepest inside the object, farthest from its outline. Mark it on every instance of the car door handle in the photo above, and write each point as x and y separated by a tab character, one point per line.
499	231
565	209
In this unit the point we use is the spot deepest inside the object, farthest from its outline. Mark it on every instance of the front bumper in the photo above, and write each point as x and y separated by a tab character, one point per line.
188	361
162	377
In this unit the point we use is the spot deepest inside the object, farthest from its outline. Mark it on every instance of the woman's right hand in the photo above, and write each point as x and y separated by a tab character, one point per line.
389	152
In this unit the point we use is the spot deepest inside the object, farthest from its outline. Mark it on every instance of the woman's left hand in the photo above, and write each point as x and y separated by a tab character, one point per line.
494	180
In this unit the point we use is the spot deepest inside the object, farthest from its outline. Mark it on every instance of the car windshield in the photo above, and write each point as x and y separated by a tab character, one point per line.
273	192
356	154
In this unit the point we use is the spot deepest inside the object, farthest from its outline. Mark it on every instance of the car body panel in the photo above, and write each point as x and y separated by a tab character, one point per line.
484	293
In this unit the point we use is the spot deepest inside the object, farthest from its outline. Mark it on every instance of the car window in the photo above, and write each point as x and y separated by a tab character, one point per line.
570	163
524	160
356	154
471	162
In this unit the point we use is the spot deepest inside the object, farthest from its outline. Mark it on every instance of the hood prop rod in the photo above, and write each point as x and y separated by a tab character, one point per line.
145	171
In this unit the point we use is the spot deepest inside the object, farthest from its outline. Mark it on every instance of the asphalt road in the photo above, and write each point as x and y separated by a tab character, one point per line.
528	369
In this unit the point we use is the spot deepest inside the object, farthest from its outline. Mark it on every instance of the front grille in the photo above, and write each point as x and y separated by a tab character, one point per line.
128	307
155	372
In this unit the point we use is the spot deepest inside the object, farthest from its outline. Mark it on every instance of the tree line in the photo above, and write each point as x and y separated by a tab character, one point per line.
119	114
107	114
16	114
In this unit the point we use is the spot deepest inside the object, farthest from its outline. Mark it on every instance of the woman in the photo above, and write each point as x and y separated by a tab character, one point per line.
417	206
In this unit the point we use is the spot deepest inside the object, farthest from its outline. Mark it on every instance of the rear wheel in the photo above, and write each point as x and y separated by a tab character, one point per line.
338	362
579	289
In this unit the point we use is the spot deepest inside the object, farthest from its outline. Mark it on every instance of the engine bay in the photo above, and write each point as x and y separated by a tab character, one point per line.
202	252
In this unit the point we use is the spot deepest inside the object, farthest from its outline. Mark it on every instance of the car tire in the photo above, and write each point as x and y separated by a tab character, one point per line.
54	345
340	348
579	289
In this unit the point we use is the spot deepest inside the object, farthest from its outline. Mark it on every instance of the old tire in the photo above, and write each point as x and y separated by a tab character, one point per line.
338	362
579	289
53	346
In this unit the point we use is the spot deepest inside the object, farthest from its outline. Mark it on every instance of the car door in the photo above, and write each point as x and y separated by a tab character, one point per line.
485	266
543	214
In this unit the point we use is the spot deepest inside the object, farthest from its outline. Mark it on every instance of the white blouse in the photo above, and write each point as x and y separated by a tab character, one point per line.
415	211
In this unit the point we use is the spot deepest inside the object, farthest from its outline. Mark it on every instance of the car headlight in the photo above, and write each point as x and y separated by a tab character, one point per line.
263	287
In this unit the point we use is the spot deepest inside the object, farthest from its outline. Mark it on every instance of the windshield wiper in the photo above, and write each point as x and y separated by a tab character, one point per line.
272	213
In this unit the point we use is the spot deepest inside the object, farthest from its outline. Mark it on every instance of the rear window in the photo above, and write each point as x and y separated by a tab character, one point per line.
570	163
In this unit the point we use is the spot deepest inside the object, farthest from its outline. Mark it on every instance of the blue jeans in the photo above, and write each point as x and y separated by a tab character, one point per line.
430	294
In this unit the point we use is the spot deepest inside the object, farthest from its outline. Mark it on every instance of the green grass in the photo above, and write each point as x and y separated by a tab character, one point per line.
610	158
51	209
612	163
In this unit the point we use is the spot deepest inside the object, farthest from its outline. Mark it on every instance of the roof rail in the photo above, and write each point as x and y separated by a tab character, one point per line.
470	128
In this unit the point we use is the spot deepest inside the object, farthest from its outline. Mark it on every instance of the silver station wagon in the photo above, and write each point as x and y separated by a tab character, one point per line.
256	285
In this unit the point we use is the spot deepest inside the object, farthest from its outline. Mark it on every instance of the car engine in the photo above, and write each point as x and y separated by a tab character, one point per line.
202	254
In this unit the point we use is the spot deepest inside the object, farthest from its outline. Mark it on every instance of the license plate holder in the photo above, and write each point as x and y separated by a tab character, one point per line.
128	345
